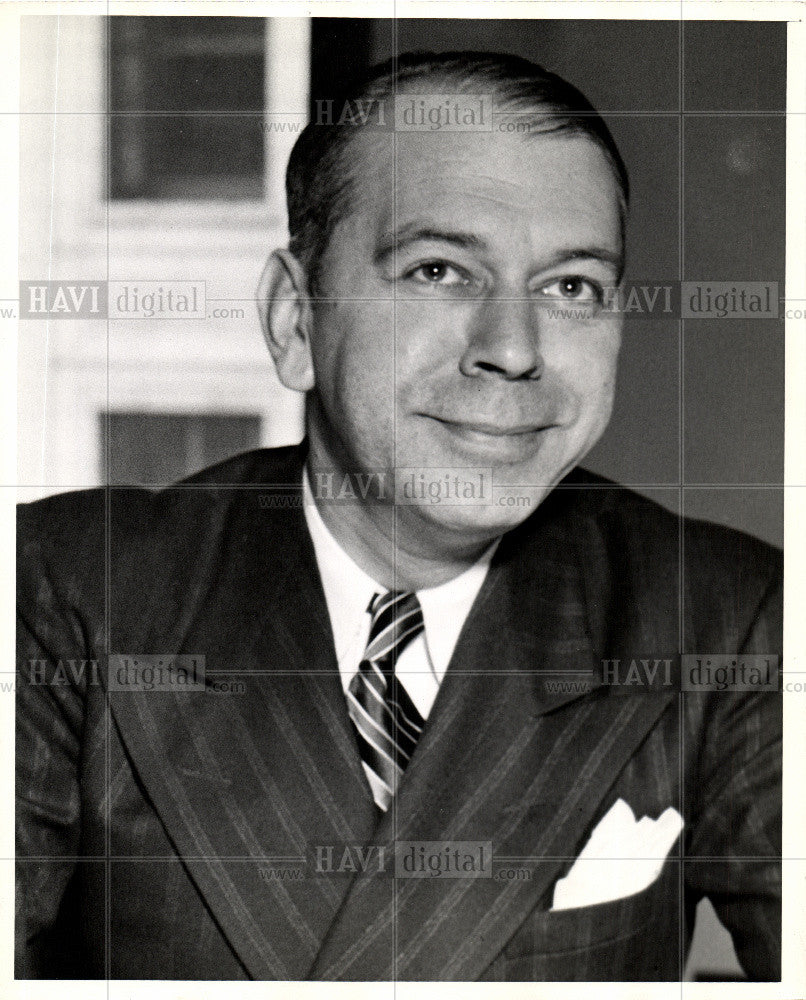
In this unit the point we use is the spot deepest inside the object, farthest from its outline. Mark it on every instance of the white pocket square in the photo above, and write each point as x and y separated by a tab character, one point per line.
622	857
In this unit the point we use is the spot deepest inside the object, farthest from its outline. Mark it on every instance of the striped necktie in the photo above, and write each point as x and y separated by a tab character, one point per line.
386	722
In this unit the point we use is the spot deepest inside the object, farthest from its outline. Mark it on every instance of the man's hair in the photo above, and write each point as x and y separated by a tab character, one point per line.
320	176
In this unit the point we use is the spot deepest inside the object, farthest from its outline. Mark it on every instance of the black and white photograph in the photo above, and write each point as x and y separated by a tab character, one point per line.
407	423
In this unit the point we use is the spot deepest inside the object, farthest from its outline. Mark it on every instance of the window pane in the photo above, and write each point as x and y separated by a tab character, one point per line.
179	90
160	448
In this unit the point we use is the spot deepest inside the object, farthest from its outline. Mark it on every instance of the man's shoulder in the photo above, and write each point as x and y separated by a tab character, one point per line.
634	529
81	521
251	468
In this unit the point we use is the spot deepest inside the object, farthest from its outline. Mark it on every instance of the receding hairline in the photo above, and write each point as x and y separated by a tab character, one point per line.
518	88
396	225
363	150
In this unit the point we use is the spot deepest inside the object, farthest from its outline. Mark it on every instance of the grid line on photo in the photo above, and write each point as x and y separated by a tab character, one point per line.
534	858
395	802
109	723
261	115
295	489
681	944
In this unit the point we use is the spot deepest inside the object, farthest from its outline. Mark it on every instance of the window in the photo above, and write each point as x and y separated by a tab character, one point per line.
157	449
187	102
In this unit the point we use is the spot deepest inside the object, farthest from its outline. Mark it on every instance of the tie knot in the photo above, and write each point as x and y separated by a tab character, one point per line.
397	619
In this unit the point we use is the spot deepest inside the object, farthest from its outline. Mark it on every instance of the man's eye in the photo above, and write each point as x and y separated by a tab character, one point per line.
437	272
572	287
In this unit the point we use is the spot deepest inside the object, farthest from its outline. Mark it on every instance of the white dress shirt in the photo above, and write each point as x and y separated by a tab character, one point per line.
349	590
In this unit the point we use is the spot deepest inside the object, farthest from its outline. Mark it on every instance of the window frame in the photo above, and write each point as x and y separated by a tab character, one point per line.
286	91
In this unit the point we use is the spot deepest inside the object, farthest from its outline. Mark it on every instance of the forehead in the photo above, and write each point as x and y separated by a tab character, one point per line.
503	186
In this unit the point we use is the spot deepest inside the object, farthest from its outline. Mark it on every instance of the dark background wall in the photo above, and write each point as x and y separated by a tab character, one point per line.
697	110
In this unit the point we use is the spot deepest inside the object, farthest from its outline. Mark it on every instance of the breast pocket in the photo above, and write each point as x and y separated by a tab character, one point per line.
632	938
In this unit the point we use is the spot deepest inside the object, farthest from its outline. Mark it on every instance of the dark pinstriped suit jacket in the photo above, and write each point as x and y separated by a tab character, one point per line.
147	820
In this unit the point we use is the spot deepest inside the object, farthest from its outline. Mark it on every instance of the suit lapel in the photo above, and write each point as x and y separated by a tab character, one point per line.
246	783
508	756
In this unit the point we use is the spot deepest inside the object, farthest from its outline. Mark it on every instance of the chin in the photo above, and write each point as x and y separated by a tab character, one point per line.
477	521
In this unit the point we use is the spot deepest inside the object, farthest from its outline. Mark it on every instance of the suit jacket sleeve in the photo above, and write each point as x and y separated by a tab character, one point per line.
735	848
53	665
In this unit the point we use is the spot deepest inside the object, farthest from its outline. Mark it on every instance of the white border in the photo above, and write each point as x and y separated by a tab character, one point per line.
794	985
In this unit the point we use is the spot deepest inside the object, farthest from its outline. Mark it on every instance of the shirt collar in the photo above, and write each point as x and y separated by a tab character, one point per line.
349	590
446	607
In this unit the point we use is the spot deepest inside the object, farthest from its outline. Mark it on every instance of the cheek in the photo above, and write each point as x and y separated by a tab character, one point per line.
596	387
429	340
587	360
354	361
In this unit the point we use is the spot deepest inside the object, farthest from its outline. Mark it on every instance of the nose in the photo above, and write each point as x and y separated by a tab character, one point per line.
504	341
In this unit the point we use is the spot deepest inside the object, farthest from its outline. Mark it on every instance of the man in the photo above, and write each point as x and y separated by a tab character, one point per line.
402	634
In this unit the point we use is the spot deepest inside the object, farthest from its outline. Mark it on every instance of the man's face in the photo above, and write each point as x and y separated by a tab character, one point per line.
463	328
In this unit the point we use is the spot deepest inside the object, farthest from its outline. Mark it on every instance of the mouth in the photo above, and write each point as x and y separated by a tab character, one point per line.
490	429
495	441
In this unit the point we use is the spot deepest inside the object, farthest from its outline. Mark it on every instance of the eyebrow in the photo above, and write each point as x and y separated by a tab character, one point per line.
605	254
408	234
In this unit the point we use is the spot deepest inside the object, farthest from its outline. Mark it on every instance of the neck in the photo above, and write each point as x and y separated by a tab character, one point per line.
394	545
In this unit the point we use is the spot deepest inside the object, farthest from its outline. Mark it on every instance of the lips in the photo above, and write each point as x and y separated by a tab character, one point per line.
492	442
494	430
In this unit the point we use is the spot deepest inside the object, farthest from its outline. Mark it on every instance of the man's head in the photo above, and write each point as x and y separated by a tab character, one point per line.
440	301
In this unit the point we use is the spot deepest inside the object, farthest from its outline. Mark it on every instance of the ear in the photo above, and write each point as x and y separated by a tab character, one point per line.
286	318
